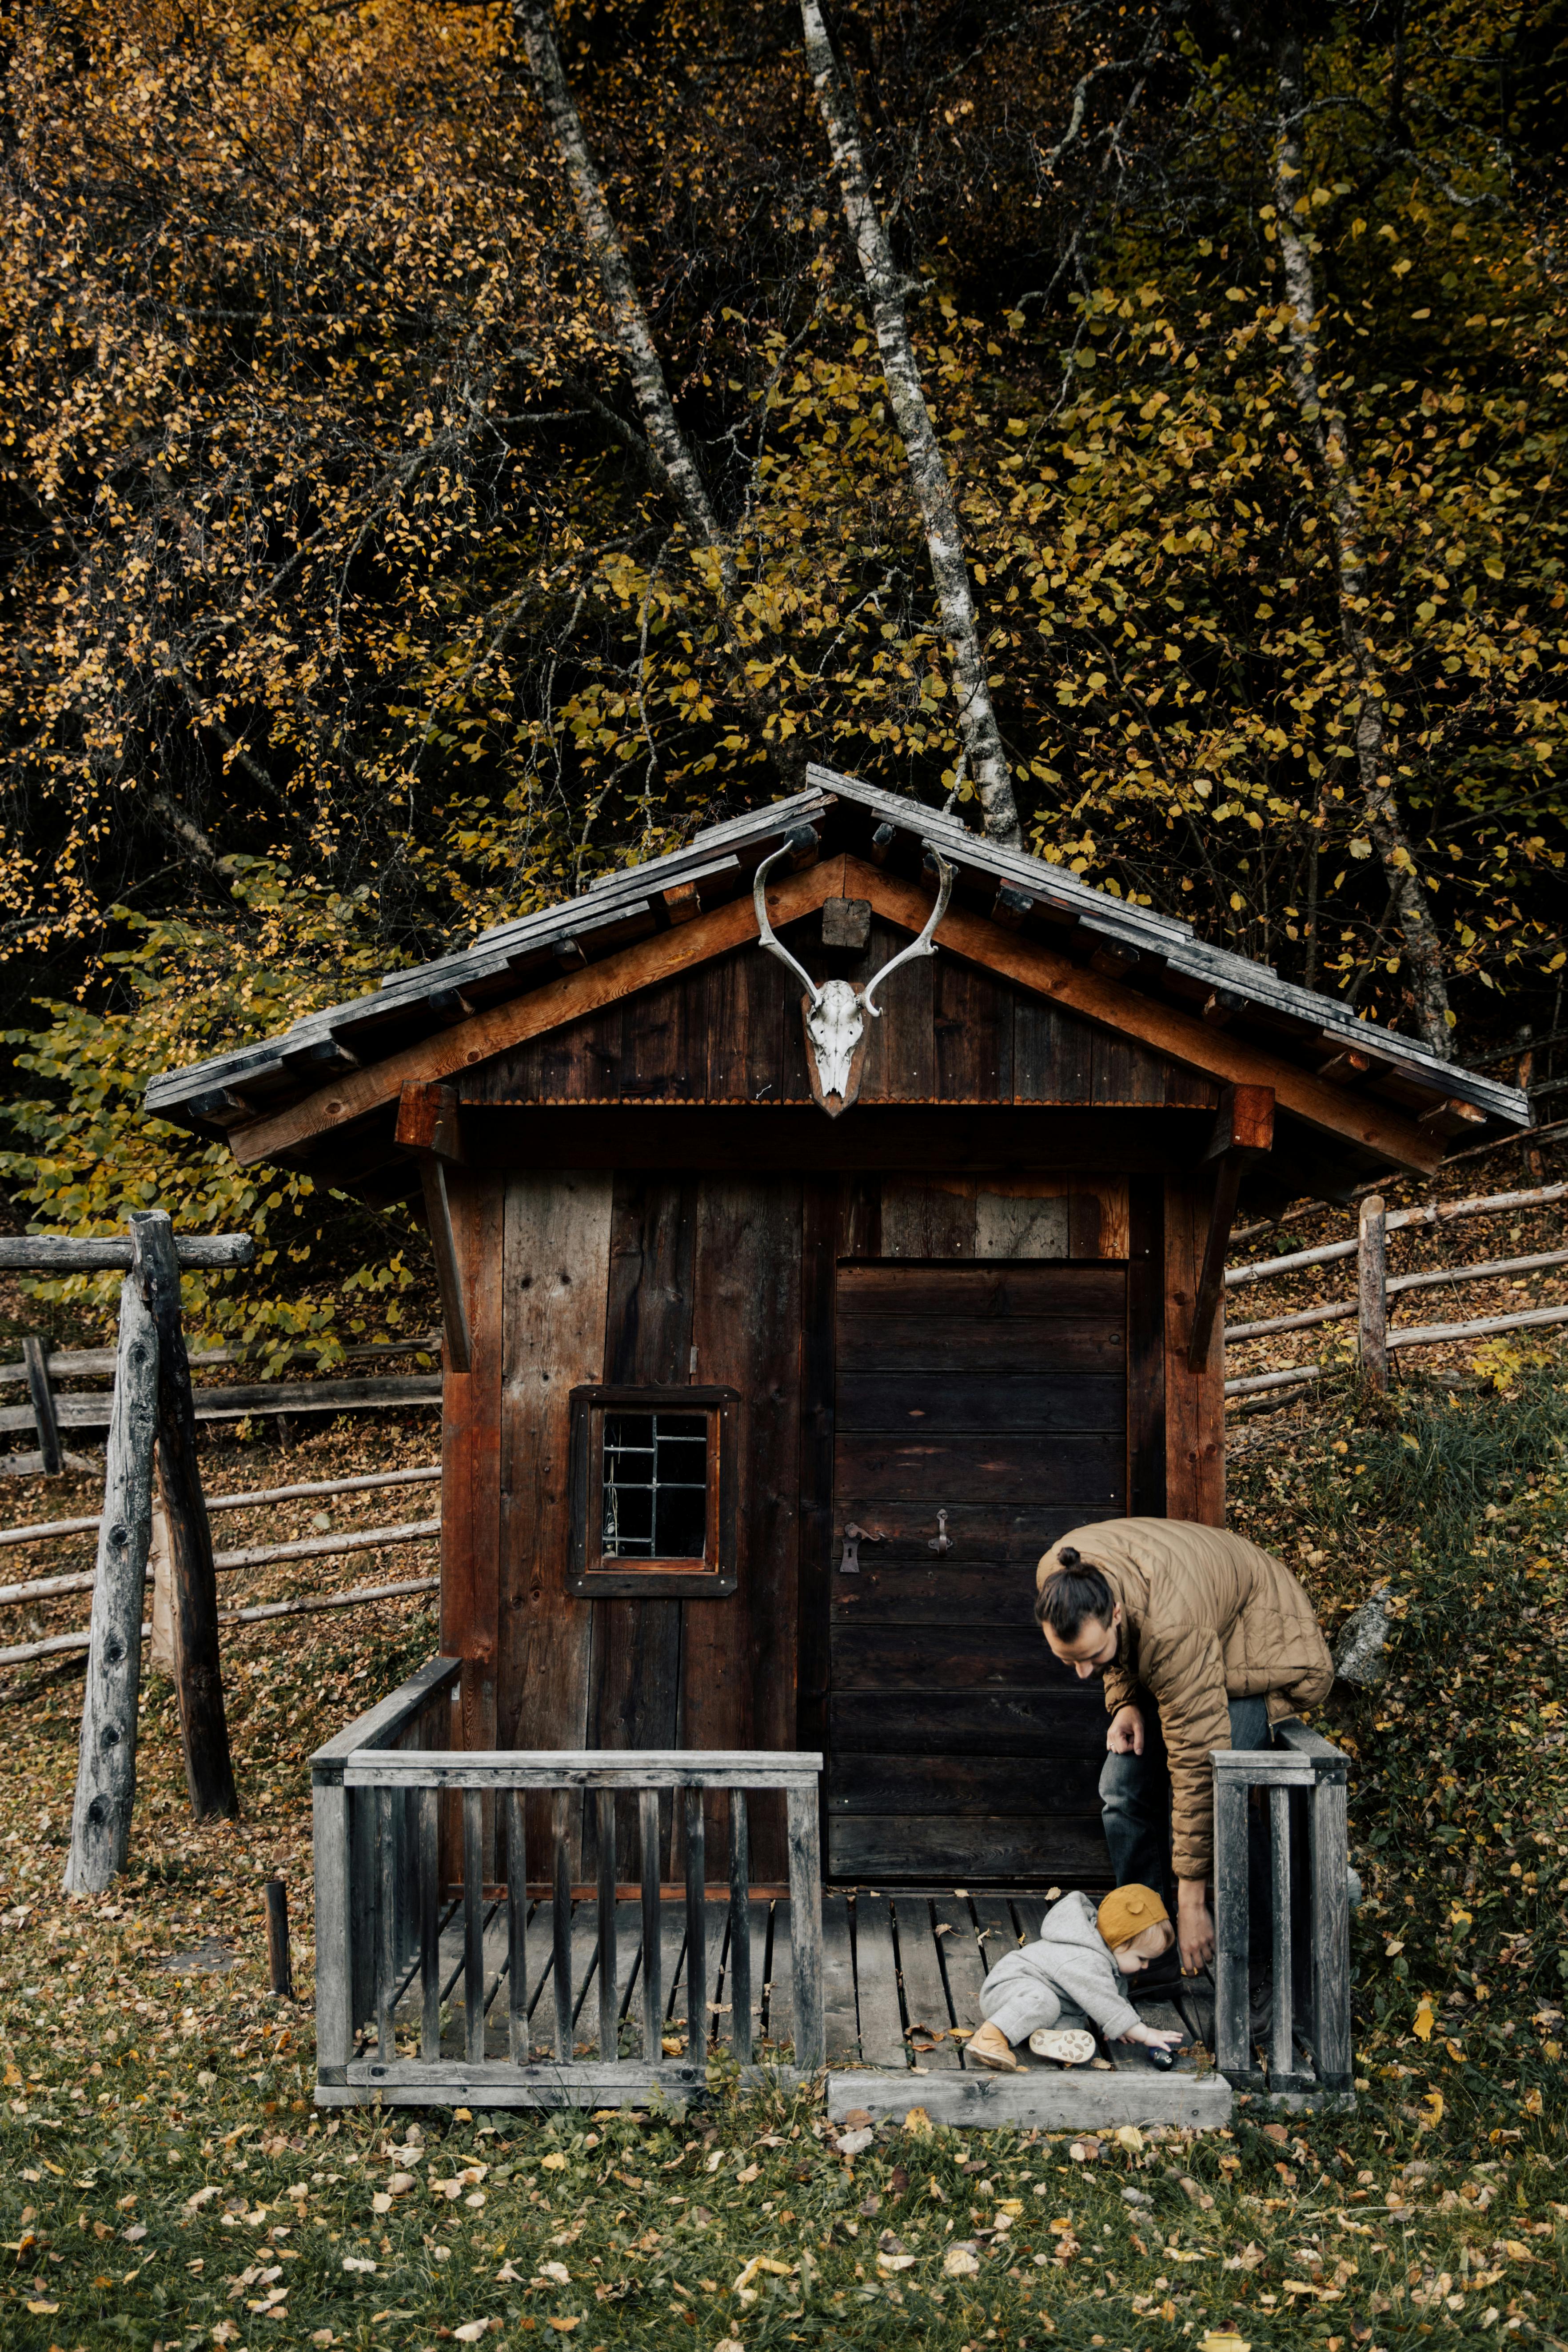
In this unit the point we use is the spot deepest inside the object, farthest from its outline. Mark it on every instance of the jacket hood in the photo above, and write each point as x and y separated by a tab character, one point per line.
1073	1921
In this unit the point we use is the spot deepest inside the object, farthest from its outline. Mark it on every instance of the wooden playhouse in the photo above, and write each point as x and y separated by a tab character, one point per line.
793	1303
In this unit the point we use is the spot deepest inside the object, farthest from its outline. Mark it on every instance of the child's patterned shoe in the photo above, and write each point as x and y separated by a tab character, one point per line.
1068	2047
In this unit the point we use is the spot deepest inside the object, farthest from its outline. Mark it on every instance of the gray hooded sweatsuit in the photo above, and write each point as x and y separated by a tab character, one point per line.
1071	1961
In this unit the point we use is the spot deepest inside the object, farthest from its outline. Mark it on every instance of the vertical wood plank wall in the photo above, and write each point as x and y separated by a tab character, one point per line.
574	1278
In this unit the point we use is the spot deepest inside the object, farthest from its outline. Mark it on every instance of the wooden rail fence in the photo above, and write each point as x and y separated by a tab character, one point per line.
1377	1339
344	1541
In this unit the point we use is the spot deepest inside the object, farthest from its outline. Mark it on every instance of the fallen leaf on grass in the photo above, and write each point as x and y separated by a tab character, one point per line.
896	2262
853	2143
37	2308
357	2263
471	2330
960	2261
1214	2342
556	2271
1421	2028
758	2263
564	2326
553	2162
1515	2252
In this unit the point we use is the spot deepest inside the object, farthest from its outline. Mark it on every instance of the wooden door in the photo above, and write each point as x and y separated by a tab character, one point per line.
958	1749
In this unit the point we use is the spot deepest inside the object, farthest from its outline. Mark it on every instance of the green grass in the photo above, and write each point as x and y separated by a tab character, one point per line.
1279	2231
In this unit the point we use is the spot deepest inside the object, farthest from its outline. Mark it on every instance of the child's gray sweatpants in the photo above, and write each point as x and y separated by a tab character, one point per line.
1018	1997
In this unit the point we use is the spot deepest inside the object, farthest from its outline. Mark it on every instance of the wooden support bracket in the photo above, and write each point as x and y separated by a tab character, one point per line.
1243	1130
427	1127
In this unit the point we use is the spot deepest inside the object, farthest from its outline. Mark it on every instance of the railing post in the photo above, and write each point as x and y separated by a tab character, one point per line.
1372	1292
334	1957
1233	2054
387	1925
805	1927
1329	1846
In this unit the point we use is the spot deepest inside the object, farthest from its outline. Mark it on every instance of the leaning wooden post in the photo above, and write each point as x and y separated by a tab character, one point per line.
1371	1291
106	1769
45	1421
192	1582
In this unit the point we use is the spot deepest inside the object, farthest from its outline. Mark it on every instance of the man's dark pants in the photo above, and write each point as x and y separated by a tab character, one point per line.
1135	1807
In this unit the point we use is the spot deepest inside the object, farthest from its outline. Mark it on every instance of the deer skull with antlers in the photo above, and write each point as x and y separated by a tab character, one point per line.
835	1010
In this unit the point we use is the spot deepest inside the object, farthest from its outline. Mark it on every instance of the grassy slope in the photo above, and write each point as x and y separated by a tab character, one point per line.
1437	2207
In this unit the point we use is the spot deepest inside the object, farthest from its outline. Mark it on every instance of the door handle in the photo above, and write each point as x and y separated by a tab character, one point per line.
854	1538
942	1542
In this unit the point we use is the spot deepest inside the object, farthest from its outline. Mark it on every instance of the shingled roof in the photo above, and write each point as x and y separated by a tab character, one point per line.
1153	955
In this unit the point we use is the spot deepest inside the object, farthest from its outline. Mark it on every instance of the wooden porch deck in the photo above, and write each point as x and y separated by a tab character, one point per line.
900	1971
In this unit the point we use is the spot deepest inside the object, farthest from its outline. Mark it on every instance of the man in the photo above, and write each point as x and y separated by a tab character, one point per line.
1221	1638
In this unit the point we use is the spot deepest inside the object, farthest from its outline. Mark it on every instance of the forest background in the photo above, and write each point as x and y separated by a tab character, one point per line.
448	451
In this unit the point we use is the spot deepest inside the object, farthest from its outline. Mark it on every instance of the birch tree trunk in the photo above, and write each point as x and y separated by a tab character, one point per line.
670	456
1325	428
928	468
660	422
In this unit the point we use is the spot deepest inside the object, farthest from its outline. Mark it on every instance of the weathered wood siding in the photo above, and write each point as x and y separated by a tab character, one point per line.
731	1032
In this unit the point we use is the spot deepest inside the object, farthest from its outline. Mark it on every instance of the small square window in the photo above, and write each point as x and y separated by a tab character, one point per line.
653	1501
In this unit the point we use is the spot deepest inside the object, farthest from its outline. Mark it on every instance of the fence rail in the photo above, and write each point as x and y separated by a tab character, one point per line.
431	1974
1374	1288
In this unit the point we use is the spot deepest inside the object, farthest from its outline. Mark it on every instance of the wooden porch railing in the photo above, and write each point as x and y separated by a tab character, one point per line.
1304	1778
397	1932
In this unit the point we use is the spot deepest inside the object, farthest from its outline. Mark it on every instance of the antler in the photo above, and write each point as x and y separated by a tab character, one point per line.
799	839
921	947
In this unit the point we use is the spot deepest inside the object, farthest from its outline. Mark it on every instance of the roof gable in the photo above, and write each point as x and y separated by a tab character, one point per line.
1145	975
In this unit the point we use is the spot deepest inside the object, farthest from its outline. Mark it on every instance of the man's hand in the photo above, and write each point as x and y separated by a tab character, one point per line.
1124	1736
1194	1928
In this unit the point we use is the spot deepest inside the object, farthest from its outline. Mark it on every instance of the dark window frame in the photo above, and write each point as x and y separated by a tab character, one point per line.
588	1572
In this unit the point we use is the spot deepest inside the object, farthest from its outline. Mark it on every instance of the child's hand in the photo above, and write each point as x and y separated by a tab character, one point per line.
1154	2037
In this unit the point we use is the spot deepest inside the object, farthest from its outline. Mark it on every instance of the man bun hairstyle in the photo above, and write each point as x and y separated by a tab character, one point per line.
1074	1589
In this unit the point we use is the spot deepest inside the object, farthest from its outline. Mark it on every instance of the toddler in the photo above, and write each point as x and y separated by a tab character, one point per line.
1082	1956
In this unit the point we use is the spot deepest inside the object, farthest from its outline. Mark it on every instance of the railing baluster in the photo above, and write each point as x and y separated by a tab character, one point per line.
1282	2053
740	1980
695	1930
560	1926
609	2016
1233	2055
387	1942
517	1927
473	1926
430	1921
652	1968
805	1927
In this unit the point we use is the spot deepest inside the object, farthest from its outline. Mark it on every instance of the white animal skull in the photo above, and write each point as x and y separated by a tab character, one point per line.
835	1024
835	1010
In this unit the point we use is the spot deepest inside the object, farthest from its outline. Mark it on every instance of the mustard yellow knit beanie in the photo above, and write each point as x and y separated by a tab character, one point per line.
1128	1912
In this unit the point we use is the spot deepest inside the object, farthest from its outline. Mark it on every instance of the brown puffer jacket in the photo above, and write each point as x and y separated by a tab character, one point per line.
1206	1617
